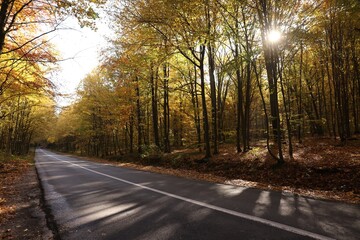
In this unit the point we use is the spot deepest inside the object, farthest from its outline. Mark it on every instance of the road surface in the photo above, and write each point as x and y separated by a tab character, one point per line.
97	201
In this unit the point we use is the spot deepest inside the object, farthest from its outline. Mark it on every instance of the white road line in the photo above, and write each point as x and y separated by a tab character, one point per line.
209	206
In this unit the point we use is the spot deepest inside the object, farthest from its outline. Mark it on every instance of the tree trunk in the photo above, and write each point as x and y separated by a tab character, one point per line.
271	61
265	112
287	115
138	115
154	105
166	109
203	100
246	125
300	110
239	112
195	103
3	18
271	56
211	63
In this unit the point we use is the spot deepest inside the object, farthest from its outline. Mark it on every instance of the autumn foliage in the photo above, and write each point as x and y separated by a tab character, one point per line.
202	73
209	78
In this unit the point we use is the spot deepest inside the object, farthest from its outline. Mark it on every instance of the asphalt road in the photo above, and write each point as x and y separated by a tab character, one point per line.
98	201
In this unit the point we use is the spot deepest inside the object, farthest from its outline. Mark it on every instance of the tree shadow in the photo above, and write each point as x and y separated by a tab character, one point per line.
99	207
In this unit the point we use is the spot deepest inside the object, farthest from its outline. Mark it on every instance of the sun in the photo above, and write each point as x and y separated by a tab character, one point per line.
274	36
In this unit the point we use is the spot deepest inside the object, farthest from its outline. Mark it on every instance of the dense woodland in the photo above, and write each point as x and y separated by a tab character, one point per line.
186	74
27	66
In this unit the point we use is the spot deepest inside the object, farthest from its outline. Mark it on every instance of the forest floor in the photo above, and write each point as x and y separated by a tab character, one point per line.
21	215
321	168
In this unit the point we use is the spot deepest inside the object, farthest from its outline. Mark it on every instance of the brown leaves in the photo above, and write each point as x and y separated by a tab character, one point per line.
20	214
11	169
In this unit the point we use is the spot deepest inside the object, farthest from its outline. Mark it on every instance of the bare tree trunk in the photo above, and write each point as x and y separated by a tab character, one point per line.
213	99
271	56
239	112
222	90
287	115
166	109
356	88
4	11
203	100
248	49
211	62
195	103
138	116
154	105
265	113
246	127
300	109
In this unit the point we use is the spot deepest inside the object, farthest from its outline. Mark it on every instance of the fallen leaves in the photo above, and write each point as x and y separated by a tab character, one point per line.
10	172
16	180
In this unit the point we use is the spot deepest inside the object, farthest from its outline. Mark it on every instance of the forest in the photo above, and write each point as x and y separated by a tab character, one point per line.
200	74
203	77
259	94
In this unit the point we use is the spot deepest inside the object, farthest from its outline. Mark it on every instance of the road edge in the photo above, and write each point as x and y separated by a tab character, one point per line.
49	217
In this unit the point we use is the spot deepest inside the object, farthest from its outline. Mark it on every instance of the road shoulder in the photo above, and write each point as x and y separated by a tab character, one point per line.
22	216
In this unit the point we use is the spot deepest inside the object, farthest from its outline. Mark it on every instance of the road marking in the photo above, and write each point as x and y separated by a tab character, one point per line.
209	206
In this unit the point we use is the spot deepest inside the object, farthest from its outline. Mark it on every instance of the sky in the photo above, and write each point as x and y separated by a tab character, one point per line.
79	47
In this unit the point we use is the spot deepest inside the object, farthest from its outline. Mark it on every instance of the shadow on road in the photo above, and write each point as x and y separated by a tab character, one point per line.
92	206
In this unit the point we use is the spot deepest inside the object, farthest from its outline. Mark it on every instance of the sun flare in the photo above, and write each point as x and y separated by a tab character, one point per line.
274	36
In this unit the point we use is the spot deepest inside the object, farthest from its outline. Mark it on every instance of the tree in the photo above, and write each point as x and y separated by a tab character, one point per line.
169	61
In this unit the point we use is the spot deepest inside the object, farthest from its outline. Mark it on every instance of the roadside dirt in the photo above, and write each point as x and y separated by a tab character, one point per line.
21	216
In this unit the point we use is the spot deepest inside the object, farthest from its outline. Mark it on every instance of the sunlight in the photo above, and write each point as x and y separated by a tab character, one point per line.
80	49
274	36
229	191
